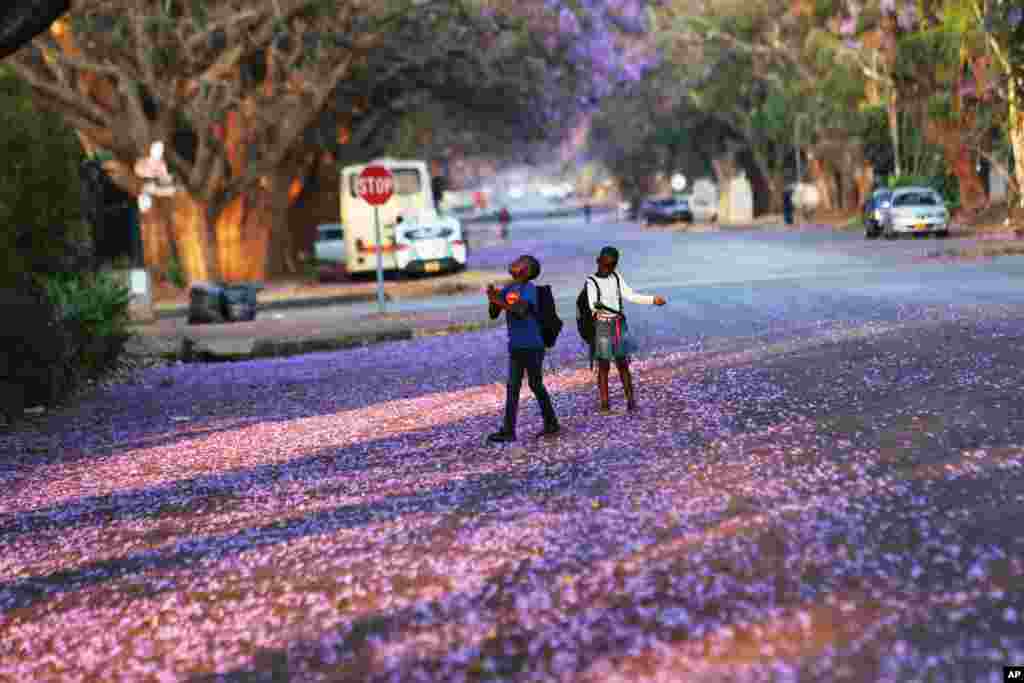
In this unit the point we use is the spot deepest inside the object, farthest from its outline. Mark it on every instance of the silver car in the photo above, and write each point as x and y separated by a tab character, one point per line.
330	243
915	211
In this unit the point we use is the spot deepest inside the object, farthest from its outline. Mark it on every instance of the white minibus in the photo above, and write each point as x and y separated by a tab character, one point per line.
415	237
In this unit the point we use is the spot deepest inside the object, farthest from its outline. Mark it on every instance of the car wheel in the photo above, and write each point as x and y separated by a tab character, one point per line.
889	234
942	234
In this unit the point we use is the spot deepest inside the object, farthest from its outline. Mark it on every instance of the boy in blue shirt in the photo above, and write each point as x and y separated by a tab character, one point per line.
525	345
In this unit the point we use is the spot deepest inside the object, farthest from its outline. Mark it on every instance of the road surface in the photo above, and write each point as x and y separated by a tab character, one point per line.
824	482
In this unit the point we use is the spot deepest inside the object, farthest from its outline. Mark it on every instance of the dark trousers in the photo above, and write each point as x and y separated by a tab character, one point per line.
532	363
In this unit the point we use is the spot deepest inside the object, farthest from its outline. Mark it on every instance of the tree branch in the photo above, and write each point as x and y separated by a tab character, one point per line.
66	98
235	21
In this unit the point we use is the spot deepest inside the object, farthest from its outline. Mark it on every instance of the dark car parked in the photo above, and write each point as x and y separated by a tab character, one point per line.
879	201
667	211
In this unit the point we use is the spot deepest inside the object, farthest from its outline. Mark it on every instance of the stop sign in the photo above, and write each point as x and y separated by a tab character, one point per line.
375	185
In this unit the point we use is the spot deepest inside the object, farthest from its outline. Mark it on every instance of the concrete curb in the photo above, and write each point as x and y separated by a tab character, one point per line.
191	351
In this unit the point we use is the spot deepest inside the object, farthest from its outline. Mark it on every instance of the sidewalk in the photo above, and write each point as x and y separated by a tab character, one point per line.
300	294
278	335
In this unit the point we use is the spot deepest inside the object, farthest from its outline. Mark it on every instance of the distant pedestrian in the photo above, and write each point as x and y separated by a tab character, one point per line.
787	206
586	212
504	218
606	291
525	345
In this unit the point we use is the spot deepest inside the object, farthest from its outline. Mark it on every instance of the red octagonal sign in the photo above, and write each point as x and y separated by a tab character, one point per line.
375	185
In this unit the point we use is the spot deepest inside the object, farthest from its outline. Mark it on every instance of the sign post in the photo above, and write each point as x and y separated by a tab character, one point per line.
375	186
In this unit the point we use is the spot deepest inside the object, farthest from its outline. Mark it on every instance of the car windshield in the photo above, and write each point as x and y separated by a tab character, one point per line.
331	234
916	199
428	233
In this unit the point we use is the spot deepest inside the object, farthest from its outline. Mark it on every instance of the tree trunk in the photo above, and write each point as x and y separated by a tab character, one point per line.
773	181
864	179
157	235
824	181
280	254
894	133
776	188
959	160
1015	126
962	164
725	171
230	248
195	240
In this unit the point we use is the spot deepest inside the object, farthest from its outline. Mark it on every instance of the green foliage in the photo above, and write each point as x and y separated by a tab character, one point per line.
70	328
774	117
94	308
934	52
98	302
872	127
40	191
843	87
940	106
824	9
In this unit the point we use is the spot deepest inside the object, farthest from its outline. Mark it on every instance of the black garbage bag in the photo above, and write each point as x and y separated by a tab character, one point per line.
218	302
206	303
240	302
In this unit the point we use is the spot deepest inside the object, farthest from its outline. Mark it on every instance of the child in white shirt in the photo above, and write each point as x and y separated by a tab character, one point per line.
606	291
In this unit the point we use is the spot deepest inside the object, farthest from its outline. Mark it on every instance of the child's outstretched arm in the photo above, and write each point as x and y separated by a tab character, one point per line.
634	297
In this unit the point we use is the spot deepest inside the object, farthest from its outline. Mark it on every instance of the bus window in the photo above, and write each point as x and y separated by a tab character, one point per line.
407	182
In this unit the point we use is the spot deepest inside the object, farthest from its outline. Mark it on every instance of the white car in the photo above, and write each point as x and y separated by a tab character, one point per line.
915	211
428	242
703	208
330	243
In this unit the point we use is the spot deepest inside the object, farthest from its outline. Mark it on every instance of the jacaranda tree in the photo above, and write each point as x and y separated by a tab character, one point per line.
242	91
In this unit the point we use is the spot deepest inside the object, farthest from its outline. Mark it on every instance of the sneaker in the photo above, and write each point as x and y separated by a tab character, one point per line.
549	430
501	437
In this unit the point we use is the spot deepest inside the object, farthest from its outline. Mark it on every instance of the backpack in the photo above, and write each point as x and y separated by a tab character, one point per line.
550	323
585	316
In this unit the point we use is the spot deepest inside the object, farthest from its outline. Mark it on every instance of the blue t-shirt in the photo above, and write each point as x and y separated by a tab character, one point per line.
523	332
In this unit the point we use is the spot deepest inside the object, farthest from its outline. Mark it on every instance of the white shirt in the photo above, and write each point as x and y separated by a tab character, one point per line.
610	293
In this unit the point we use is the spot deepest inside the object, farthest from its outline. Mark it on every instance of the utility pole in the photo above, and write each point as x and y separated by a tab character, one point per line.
796	148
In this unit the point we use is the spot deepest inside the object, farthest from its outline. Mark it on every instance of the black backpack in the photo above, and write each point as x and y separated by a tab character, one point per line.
550	323
585	316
